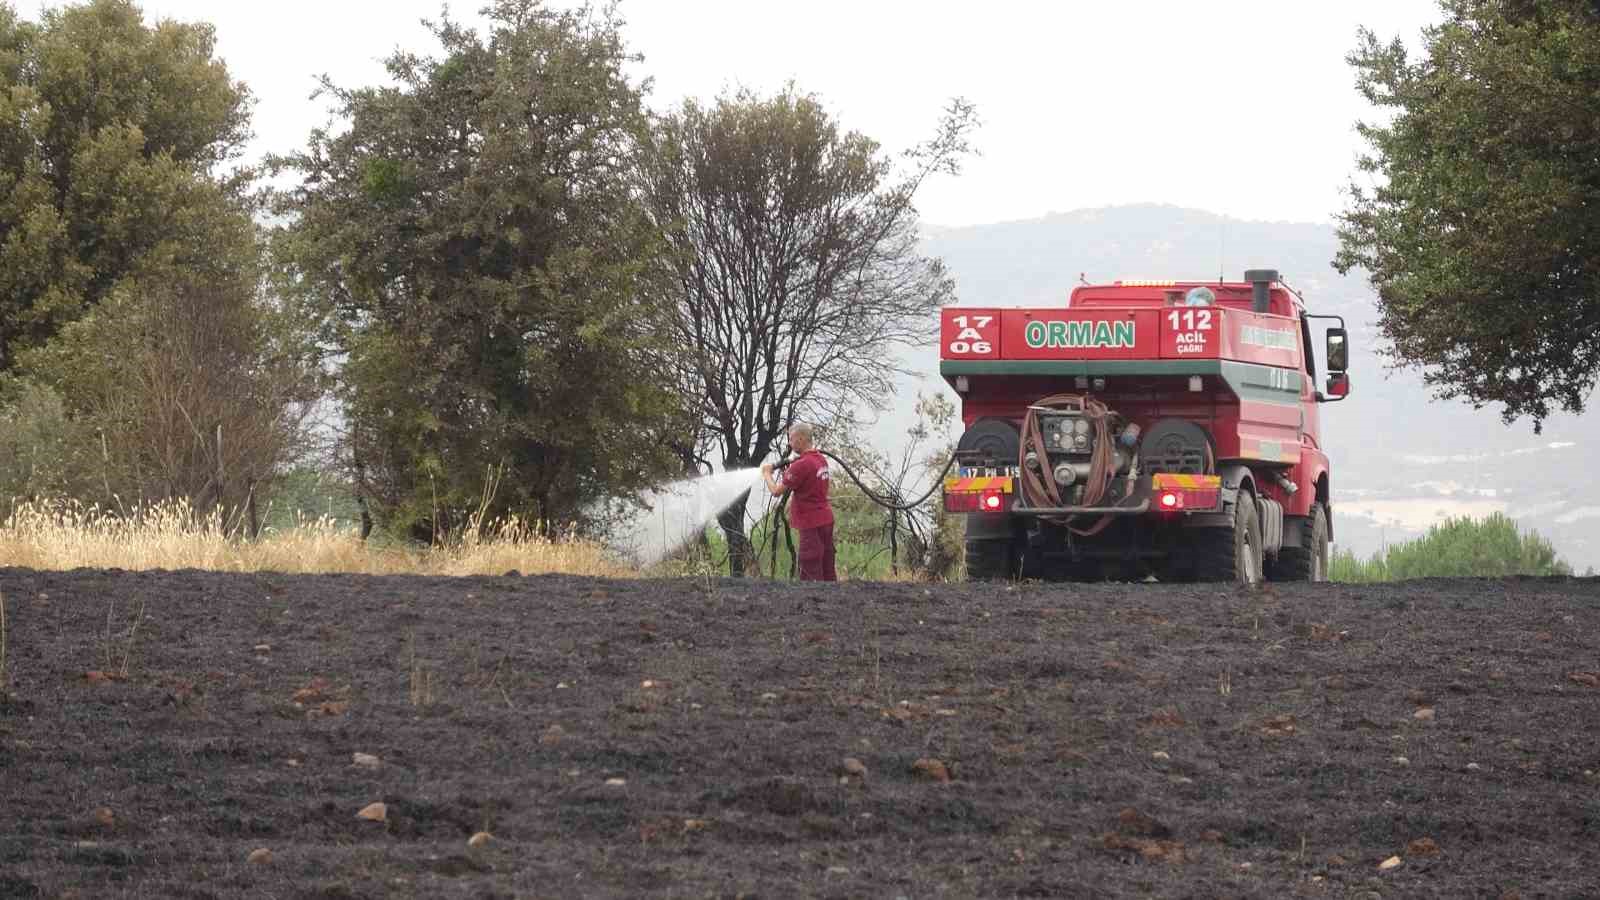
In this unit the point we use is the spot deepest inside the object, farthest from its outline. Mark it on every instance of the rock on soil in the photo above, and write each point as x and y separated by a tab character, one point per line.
931	769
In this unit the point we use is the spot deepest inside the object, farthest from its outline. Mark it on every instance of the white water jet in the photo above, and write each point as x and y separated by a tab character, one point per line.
676	513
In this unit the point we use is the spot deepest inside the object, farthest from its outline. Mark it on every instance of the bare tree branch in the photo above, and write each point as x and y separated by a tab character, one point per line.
798	269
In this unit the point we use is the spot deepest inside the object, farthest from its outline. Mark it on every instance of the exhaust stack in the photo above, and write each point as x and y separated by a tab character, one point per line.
1261	280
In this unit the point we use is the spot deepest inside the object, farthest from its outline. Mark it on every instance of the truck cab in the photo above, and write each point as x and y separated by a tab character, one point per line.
1145	427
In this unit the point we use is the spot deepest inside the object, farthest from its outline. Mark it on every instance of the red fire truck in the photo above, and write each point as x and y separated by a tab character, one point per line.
1145	427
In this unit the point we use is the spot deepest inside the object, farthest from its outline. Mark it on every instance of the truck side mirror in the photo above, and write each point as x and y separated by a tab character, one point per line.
1338	385
1338	351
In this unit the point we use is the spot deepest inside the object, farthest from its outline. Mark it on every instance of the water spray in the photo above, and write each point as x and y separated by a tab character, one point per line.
676	513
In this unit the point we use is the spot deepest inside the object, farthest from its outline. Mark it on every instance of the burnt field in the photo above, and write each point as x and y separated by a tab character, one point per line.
724	738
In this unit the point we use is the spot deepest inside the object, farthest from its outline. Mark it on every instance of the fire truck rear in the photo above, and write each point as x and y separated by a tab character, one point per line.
1166	428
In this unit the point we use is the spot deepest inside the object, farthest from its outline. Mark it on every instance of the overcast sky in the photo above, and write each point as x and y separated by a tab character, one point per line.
1240	108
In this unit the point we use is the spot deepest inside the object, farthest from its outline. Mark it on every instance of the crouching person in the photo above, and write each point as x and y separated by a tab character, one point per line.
806	479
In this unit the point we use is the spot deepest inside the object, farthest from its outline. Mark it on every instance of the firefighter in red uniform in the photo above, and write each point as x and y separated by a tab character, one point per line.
809	512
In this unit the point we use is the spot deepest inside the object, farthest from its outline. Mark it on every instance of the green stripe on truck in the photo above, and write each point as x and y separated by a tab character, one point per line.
1268	384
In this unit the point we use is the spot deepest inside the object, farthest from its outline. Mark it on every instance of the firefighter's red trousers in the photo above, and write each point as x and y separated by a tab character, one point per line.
816	554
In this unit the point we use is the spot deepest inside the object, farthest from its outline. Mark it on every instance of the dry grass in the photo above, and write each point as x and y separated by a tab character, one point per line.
64	535
421	685
108	647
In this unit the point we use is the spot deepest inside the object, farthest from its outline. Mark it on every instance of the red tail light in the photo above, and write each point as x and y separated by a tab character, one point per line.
960	502
1188	499
978	493
1174	492
993	501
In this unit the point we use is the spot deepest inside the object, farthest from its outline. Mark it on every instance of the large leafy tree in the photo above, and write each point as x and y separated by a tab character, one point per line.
140	356
188	381
1479	224
796	266
110	132
490	273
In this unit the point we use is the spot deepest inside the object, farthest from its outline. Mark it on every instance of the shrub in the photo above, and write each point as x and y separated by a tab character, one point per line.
42	451
1457	548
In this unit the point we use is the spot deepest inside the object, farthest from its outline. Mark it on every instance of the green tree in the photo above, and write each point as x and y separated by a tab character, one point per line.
1480	229
109	132
797	270
191	380
140	355
489	273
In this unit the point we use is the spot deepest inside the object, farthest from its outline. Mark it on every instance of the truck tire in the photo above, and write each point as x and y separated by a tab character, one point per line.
1232	553
991	559
1306	563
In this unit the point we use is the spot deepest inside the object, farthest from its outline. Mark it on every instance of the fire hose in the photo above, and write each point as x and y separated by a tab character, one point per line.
1039	488
875	497
885	502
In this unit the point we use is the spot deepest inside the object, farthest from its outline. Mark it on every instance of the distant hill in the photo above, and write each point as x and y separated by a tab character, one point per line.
1402	460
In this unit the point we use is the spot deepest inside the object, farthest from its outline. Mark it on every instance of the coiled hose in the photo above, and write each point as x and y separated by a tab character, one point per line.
872	495
869	493
1039	487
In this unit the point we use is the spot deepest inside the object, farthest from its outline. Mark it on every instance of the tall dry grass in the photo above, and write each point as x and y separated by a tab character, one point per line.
61	535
